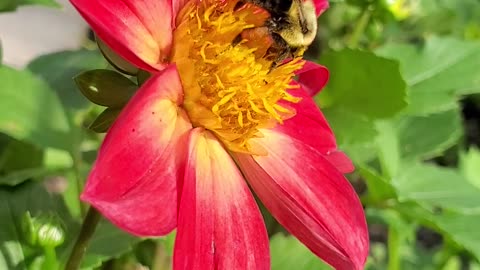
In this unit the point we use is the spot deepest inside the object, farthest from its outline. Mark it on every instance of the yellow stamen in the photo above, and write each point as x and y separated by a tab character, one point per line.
230	88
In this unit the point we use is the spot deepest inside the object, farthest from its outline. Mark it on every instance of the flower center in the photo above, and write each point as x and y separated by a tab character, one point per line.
230	86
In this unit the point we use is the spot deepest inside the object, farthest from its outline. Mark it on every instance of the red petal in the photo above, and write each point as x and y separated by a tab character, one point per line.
133	181
140	31
219	224
310	126
320	6
313	77
310	198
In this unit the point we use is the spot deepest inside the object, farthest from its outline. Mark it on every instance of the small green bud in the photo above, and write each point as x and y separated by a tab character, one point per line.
50	235
42	231
106	87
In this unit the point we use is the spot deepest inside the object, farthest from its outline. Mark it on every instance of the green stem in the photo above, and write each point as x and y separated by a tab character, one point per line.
86	232
360	27
393	250
50	258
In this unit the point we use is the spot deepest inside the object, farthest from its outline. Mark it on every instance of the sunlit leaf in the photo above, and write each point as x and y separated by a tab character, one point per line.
439	73
31	111
365	83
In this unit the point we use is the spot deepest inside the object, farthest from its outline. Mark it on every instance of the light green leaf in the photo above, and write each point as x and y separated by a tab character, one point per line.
388	147
30	110
434	186
429	136
470	166
288	253
379	189
438	74
59	69
355	133
365	83
461	228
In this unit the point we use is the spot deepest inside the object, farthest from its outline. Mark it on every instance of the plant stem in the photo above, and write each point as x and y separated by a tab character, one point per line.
50	258
86	232
393	249
362	24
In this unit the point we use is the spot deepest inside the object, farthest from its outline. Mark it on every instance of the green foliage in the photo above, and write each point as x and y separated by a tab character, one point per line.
437	74
31	111
364	83
287	253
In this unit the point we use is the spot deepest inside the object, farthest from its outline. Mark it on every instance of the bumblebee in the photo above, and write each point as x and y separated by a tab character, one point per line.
292	26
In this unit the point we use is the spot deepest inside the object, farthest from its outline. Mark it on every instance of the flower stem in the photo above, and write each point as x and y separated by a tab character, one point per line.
86	232
360	27
393	249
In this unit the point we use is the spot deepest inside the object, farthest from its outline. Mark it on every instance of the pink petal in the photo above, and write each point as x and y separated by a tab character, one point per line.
219	223
313	77
310	198
134	180
320	6
177	6
310	126
138	30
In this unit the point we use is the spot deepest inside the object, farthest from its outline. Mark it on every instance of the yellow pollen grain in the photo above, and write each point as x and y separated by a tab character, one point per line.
228	89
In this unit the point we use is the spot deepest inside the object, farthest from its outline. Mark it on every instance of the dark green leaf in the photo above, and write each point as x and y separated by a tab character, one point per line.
438	74
105	120
107	242
106	87
288	253
365	83
30	110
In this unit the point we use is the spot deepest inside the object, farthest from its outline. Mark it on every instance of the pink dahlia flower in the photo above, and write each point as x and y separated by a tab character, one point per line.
213	119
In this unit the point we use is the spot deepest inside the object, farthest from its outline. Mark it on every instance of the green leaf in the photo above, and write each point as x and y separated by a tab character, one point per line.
470	166
11	5
434	186
107	242
58	70
379	189
30	110
429	136
288	253
50	3
365	83
355	133
388	147
438	74
15	253
106	87
103	122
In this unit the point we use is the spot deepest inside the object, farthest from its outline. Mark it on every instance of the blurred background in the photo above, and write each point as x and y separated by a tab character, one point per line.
402	99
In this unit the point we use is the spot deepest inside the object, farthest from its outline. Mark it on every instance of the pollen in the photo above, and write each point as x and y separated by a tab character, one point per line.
231	85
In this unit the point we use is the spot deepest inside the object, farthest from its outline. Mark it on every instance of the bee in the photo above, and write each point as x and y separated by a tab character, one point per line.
292	26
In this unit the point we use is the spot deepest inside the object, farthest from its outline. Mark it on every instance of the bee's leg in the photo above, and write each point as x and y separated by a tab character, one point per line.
280	50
